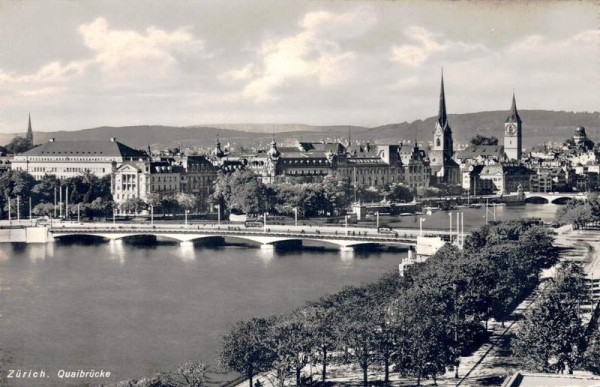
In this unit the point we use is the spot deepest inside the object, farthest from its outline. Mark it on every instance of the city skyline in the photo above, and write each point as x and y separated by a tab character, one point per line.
317	63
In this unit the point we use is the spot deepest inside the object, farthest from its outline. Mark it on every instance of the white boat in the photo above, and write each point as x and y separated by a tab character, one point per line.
406	214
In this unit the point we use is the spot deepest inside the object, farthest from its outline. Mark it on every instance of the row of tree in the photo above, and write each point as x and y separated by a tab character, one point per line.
418	325
580	213
243	192
553	337
93	194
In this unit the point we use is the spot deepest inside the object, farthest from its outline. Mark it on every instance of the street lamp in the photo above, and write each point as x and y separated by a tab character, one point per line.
377	213
151	215
219	214
295	216
346	221
265	221
421	220
78	213
186	212
450	215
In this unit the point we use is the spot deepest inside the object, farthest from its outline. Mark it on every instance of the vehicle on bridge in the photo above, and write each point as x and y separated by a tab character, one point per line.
386	229
254	223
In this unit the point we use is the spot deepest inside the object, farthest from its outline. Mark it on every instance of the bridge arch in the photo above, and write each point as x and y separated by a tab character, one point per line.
562	200
537	200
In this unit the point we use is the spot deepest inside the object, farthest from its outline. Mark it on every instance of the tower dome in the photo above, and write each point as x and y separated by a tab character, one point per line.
218	152
273	152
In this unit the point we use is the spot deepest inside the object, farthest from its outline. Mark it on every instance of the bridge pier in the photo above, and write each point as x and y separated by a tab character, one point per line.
186	244
346	249
116	242
267	246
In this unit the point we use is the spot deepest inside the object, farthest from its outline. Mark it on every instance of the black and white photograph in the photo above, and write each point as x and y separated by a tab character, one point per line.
278	193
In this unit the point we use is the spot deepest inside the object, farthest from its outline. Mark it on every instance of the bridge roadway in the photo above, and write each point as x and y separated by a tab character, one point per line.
267	237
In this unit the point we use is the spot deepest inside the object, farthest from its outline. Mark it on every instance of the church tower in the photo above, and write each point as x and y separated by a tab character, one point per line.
513	133
29	136
443	167
442	135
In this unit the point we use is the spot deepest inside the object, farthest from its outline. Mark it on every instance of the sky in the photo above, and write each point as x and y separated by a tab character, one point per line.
82	64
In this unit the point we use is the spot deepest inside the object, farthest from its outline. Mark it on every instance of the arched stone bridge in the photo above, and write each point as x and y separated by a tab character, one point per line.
266	238
554	198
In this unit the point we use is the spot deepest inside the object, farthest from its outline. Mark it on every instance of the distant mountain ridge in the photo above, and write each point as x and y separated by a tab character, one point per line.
539	126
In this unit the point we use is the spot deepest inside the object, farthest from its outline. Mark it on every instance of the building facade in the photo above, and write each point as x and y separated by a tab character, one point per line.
66	159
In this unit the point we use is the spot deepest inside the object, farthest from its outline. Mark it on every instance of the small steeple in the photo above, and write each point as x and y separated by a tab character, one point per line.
29	136
442	116
218	152
514	114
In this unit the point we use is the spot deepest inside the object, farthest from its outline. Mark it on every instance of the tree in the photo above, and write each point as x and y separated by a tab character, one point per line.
133	205
337	190
241	191
369	194
18	145
291	343
186	201
399	193
592	353
356	330
189	374
245	348
483	140
321	316
576	213
423	333
552	338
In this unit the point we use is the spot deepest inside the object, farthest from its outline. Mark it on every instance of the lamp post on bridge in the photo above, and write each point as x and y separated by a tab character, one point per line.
186	213
218	214
377	214
295	216
151	215
346	221
450	215
421	220
78	213
265	221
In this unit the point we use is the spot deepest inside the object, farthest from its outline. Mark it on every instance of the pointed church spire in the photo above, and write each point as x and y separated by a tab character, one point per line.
514	114
29	135
442	116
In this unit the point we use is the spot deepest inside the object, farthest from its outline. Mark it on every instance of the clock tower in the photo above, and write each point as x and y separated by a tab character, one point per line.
513	136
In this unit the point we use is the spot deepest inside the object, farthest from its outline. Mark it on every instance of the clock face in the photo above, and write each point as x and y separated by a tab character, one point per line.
511	129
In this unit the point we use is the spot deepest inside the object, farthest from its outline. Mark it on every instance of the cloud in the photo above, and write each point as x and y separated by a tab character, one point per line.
123	52
428	44
315	54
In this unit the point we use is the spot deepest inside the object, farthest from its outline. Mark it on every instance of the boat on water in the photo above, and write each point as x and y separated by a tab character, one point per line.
407	214
427	209
476	205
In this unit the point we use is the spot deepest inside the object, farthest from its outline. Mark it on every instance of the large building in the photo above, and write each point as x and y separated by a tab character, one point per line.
148	180
310	162
66	159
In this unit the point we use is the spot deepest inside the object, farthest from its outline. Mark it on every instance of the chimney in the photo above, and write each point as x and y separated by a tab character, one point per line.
113	139
52	139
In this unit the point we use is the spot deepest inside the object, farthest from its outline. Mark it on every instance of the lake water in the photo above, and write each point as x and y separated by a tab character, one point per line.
136	310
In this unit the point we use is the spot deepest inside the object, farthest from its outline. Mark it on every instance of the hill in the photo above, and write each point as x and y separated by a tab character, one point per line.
539	126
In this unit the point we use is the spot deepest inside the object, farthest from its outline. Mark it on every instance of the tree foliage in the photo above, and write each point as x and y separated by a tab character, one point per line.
246	347
483	140
552	337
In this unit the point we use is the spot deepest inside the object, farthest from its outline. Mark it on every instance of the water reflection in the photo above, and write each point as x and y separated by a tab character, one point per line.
37	252
347	255
186	252
266	253
117	251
